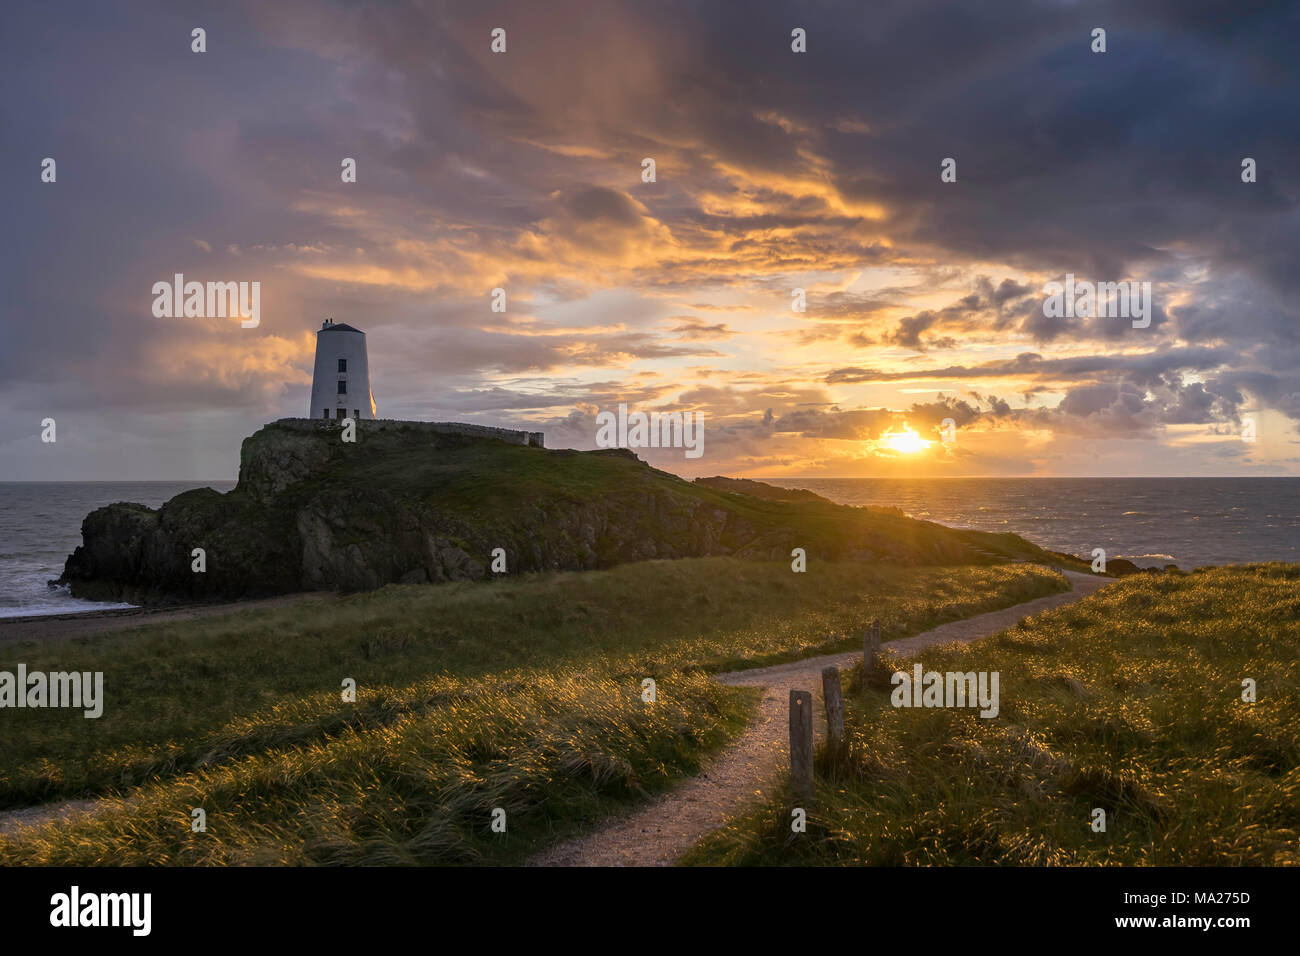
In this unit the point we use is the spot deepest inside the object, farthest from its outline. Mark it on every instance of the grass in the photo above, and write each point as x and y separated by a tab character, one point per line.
522	694
494	484
482	481
1129	701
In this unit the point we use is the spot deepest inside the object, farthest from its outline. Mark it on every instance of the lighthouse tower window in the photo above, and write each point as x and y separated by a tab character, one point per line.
343	365
343	387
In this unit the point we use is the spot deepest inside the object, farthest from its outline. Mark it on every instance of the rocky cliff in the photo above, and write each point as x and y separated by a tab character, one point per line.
406	503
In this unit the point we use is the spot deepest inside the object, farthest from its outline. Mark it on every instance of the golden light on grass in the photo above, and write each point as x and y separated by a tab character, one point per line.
400	777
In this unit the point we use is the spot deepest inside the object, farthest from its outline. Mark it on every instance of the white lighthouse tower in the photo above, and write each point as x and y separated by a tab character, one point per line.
340	385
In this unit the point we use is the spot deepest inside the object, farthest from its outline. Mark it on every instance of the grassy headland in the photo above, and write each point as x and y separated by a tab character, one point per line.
404	504
1129	701
523	694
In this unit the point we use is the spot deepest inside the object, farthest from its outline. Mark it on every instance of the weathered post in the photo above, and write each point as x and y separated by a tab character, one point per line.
834	698
871	646
801	744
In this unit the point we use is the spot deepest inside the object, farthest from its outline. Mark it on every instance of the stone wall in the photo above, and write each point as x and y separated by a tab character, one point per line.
511	435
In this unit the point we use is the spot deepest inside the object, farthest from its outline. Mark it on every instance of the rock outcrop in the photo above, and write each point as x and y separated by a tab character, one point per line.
411	503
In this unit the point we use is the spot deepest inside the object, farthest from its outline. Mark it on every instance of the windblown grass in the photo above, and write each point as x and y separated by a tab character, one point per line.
523	694
420	788
1130	701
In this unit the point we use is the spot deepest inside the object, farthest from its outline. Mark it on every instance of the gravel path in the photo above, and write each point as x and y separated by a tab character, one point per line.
13	820
661	832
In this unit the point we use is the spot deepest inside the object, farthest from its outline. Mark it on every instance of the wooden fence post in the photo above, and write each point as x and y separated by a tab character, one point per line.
871	646
801	744
834	698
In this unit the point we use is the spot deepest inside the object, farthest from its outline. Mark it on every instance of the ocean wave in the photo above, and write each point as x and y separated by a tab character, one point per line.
69	605
1150	560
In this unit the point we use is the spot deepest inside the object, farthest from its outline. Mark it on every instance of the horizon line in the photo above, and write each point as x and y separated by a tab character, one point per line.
173	481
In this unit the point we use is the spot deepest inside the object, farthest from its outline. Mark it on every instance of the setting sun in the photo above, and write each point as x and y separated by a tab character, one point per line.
906	441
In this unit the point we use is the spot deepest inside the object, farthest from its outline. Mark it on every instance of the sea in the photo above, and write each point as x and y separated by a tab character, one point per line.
1189	522
40	525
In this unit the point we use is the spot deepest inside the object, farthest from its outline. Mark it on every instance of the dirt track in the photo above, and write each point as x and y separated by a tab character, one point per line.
659	833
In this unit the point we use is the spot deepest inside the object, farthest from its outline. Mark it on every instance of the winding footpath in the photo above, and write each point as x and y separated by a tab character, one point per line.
658	834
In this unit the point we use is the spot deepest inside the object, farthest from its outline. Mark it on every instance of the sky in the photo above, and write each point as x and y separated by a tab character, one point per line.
925	300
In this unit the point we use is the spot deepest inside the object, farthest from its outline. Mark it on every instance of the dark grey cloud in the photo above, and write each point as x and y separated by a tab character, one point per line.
1143	367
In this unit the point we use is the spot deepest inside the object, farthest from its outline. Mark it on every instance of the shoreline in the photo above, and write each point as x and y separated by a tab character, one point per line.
71	624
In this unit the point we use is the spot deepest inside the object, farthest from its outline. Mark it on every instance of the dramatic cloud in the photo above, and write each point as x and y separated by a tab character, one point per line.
774	172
